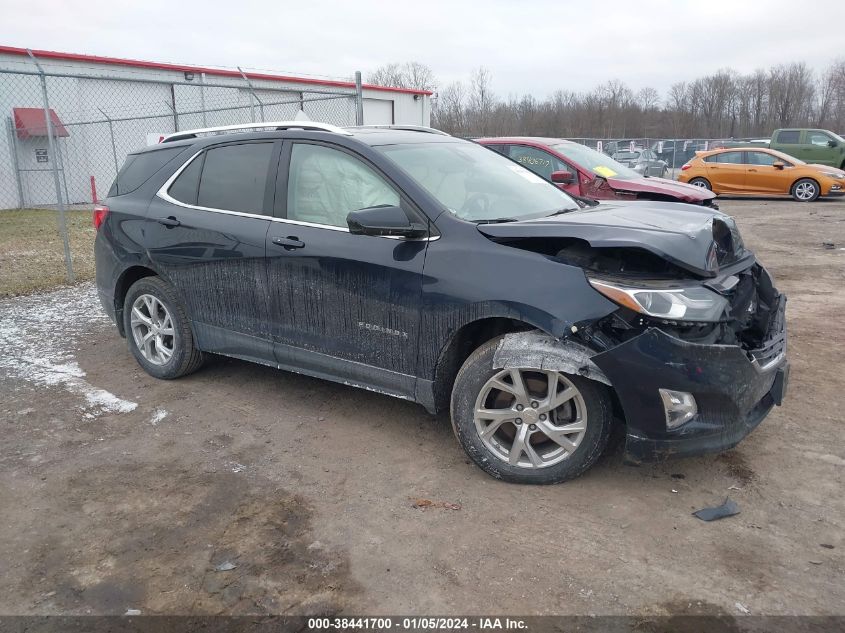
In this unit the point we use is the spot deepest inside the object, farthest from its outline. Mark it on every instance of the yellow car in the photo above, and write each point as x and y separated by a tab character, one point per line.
762	172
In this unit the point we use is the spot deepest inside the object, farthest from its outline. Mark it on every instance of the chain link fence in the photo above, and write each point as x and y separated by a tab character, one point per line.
69	157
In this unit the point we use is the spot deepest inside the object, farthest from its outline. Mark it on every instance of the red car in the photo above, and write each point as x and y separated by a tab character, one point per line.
582	171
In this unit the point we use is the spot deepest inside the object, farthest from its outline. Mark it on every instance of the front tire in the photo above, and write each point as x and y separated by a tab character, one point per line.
701	182
805	190
528	426
158	331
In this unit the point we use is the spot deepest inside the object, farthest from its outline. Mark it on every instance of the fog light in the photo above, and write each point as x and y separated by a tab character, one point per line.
679	406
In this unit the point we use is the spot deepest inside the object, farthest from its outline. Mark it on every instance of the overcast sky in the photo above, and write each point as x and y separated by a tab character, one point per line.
530	47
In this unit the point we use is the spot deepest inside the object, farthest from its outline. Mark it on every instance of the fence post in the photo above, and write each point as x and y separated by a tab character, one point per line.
202	99
13	150
51	144
252	98
111	135
359	99
172	106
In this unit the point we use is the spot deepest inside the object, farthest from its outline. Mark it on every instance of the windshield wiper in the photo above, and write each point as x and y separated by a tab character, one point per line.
495	221
561	212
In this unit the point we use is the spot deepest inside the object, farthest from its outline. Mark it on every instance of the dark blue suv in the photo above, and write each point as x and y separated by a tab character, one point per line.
429	268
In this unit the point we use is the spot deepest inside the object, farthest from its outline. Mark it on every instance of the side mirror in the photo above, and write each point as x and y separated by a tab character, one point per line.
562	177
832	143
384	221
778	165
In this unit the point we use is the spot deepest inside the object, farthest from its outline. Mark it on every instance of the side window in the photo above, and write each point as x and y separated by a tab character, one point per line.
325	184
761	158
818	138
536	160
726	158
184	188
789	137
498	148
234	177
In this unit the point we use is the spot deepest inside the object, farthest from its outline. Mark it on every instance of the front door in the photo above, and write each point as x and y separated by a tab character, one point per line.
762	177
543	163
206	234
817	149
342	306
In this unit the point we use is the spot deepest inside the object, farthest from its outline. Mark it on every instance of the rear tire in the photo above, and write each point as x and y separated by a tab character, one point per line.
701	182
805	190
158	330
518	449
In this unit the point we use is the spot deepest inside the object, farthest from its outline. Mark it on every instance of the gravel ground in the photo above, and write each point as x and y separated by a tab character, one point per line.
243	489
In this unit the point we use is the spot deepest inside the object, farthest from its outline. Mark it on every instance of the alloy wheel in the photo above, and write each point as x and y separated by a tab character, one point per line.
530	418
152	329
805	190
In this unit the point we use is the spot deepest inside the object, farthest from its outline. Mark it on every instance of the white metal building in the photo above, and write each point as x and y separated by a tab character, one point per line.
103	108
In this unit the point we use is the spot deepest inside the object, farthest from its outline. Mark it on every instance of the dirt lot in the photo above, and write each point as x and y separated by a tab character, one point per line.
119	491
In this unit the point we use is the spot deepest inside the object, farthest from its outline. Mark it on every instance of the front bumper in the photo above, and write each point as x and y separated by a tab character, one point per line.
734	390
835	191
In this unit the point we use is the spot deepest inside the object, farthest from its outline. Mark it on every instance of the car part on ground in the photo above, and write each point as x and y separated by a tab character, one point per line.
429	268
762	172
592	174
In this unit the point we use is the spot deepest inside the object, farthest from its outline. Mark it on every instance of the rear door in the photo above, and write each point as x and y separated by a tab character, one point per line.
343	306
726	172
206	232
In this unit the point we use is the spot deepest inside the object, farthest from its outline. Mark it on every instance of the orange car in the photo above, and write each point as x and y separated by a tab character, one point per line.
758	171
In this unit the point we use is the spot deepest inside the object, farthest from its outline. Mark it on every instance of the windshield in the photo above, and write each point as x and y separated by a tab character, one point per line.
598	163
477	184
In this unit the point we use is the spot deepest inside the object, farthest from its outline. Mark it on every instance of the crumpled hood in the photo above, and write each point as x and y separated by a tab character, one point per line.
695	238
680	190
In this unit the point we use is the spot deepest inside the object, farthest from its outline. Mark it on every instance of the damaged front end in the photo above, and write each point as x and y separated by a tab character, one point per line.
695	351
694	387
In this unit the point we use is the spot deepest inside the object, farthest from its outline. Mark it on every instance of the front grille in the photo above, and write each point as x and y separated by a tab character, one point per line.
774	345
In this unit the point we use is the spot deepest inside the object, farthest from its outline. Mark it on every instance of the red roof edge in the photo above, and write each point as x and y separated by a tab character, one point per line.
31	122
116	61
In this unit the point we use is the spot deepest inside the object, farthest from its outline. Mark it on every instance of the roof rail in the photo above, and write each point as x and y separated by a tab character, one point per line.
406	128
274	125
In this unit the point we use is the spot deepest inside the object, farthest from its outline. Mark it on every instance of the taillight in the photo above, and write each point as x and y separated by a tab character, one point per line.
100	213
685	166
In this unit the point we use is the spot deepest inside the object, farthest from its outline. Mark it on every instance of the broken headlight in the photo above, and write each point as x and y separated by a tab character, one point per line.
683	303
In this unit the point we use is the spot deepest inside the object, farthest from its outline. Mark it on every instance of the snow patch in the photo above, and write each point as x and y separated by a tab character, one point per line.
37	333
158	416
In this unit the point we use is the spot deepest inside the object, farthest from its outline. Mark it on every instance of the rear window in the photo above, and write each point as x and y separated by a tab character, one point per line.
139	168
789	137
234	177
727	158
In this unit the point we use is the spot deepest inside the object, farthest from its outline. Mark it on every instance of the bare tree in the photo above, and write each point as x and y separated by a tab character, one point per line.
721	104
481	98
412	75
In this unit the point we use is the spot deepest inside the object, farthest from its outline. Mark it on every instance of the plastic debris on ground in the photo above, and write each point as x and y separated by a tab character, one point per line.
727	509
